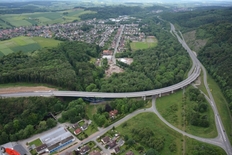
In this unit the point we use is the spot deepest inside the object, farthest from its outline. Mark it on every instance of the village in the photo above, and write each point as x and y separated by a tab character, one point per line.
92	31
62	137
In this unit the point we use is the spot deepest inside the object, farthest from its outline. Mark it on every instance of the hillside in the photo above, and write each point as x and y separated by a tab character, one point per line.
214	28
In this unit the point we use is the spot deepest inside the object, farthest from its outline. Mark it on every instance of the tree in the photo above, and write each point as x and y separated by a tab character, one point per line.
4	138
42	126
107	108
152	151
91	87
51	123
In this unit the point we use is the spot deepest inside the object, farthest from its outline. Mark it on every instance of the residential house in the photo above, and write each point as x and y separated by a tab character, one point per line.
84	127
94	153
41	149
76	125
77	131
112	144
130	153
85	149
117	149
105	140
113	113
107	52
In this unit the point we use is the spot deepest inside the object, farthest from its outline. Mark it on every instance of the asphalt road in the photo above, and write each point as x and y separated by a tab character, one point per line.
177	86
222	136
221	140
117	43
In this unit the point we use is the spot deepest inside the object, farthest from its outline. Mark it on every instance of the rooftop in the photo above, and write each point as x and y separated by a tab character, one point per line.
55	136
41	147
13	145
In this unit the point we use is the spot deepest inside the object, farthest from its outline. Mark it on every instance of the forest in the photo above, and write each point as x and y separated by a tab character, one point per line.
215	25
196	108
194	19
120	10
161	66
123	106
69	65
22	117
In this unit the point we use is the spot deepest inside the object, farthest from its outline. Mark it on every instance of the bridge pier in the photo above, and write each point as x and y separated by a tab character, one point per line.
144	98
159	95
172	91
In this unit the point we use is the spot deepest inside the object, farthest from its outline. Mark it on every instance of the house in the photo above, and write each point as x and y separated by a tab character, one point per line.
94	153
112	144
77	131
113	113
130	153
117	149
107	52
85	149
76	125
41	149
105	140
84	127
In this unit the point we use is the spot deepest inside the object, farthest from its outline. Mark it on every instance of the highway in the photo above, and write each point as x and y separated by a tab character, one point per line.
222	139
177	86
222	136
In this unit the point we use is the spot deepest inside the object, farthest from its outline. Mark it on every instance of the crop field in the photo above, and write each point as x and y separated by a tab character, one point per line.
146	43
25	44
42	18
3	25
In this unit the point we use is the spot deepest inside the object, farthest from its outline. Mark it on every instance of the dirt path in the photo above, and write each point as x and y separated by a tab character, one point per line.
24	89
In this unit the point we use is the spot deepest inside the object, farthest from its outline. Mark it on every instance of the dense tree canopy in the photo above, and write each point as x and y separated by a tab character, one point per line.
22	117
67	66
161	66
196	108
214	25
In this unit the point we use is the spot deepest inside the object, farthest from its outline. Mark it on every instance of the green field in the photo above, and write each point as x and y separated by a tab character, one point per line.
165	105
222	106
147	43
150	120
42	18
36	142
3	25
194	147
202	86
159	129
25	44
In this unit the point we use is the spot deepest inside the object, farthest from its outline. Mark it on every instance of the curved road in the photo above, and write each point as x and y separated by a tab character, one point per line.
221	140
177	86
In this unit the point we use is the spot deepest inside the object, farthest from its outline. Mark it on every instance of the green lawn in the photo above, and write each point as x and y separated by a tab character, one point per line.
26	44
46	42
91	129
165	107
222	106
92	109
193	146
149	42
202	86
37	142
150	120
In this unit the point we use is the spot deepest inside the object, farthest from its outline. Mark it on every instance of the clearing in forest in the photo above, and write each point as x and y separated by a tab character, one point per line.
150	41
